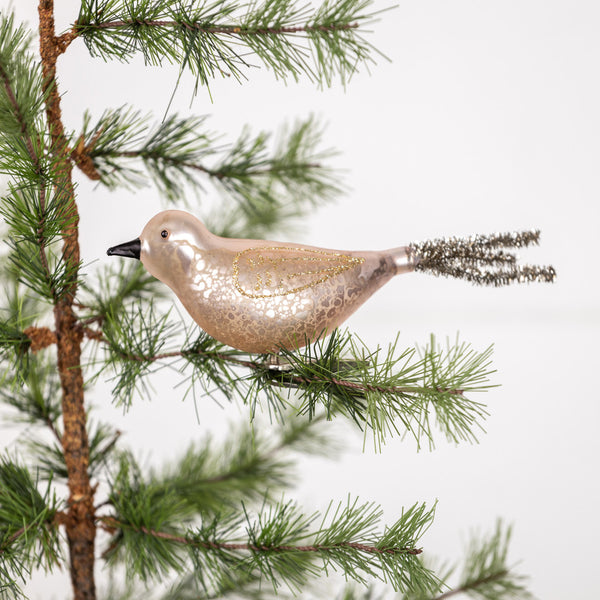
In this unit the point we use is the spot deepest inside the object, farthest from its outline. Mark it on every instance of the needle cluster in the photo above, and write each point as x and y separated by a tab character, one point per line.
281	543
265	183
34	207
28	537
484	572
384	392
221	37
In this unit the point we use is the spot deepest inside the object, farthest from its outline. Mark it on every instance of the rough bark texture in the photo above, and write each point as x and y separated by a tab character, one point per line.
79	522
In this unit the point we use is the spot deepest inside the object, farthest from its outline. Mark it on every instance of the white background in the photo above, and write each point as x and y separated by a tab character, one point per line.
487	119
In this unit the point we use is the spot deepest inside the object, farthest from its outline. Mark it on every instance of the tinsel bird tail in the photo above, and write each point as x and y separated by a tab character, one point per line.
481	259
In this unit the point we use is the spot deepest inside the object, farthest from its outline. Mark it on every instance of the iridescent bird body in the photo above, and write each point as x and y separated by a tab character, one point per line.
258	295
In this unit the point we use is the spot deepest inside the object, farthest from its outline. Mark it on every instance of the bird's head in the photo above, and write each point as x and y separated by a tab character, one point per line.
166	244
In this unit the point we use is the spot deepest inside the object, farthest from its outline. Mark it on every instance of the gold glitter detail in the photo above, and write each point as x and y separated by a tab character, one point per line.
304	258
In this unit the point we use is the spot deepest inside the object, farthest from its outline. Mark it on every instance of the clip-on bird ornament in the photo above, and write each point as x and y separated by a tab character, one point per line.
262	296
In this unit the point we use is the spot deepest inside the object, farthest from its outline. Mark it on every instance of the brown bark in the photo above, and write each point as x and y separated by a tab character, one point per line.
41	337
79	520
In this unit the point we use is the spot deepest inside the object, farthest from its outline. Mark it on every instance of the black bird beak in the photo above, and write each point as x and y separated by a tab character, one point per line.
129	249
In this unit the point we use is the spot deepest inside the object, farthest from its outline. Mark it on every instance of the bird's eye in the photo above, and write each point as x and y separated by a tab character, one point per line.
164	234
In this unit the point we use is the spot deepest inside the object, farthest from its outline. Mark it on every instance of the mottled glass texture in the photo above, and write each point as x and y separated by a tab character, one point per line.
257	295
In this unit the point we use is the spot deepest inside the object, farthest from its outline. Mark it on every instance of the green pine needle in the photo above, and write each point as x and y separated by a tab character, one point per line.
14	347
269	185
486	573
144	507
115	288
223	38
21	97
392	392
37	398
272	188
389	393
28	536
36	214
214	476
279	543
170	151
134	341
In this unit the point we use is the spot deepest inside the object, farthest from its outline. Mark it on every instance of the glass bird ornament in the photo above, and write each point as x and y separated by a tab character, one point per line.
261	296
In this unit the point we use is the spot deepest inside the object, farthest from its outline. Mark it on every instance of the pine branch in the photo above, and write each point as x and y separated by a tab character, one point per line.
213	477
17	113
380	390
486	573
37	399
21	98
369	549
28	536
278	544
213	38
351	593
31	205
170	151
19	306
113	289
387	392
37	215
132	336
234	585
473	587
230	585
14	343
19	311
272	188
269	186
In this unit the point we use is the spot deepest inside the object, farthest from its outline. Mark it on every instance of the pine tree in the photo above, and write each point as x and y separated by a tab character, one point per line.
214	523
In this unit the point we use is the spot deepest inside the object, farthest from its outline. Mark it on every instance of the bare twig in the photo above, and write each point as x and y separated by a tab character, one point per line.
473	585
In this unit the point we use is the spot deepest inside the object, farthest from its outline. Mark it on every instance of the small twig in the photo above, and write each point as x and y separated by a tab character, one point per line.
56	519
221	29
16	535
102	504
41	337
208	171
53	429
290	380
80	155
64	41
113	524
473	585
92	334
111	443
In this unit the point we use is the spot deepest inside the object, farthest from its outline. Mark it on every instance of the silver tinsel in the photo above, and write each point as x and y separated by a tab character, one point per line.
481	259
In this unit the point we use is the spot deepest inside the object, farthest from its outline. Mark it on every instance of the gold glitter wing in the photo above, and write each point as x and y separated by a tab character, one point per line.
278	271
